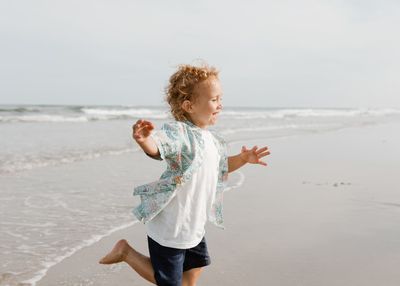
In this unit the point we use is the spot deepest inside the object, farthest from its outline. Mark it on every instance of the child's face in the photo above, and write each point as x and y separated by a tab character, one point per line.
207	104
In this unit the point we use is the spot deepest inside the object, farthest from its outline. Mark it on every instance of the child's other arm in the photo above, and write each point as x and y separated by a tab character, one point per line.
141	131
252	156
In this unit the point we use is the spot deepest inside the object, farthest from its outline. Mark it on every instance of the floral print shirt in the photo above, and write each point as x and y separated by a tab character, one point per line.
181	145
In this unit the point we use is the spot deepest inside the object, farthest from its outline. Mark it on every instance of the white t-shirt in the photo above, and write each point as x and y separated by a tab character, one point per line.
181	224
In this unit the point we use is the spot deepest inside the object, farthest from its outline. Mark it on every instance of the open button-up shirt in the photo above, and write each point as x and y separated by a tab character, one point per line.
182	147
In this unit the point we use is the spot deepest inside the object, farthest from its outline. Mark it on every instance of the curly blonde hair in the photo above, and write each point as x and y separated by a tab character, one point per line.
181	86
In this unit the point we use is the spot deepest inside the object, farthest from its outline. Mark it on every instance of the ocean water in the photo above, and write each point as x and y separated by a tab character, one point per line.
67	172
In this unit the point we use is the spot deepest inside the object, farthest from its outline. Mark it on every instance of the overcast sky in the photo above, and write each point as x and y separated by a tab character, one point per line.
279	53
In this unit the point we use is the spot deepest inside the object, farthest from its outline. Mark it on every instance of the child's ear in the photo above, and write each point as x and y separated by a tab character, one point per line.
187	106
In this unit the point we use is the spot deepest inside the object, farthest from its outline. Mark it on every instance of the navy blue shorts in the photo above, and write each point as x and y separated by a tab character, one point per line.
169	263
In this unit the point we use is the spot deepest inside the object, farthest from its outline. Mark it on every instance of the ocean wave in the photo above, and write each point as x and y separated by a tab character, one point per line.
58	114
19	109
78	114
110	113
293	113
43	118
85	243
17	163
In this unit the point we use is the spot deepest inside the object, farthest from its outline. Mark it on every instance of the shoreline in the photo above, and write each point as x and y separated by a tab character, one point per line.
85	244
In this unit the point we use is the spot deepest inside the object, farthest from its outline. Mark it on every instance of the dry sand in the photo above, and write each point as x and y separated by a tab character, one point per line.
324	212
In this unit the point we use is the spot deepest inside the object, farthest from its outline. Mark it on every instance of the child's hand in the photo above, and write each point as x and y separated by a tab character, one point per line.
254	155
141	130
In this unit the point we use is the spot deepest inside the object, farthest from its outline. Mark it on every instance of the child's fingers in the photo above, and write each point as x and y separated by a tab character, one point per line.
261	150
137	124
139	128
146	127
260	155
141	125
151	125
262	163
143	131
145	122
137	136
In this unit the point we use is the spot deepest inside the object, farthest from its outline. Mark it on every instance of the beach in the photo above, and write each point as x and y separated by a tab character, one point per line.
83	83
324	211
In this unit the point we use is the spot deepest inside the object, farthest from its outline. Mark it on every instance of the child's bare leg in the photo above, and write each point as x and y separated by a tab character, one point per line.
123	252
191	276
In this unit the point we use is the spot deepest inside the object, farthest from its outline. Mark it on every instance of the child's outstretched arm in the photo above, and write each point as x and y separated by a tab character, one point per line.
252	156
141	131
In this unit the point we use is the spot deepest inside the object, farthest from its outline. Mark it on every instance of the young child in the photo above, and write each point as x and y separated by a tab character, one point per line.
176	208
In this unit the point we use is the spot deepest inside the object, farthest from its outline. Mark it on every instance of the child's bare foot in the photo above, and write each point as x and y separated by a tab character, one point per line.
117	254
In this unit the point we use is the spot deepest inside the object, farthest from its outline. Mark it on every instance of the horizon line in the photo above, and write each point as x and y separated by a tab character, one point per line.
163	106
